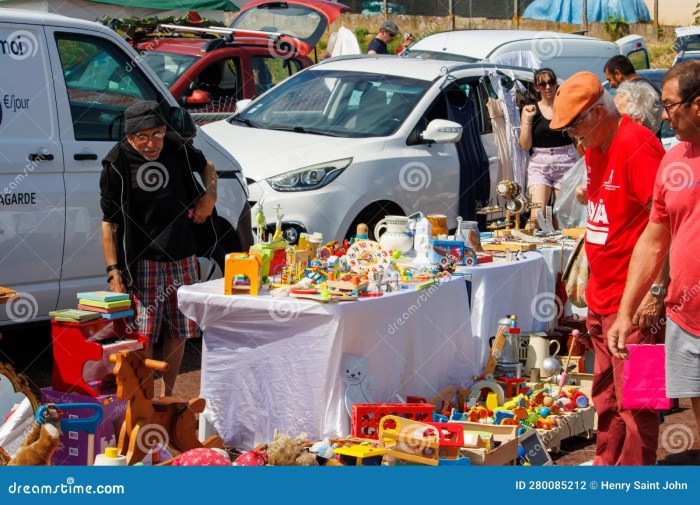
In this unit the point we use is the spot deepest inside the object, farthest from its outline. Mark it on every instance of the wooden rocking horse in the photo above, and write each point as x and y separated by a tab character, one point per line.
148	422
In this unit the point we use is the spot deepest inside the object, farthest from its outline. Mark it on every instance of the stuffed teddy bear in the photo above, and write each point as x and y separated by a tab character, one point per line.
285	451
39	446
41	443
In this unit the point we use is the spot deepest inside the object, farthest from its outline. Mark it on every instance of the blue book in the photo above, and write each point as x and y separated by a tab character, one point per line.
103	296
117	315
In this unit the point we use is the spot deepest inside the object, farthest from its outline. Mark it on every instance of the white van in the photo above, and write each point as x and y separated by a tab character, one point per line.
64	84
565	53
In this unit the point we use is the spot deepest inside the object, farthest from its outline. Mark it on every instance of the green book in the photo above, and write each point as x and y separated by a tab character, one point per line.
105	305
74	315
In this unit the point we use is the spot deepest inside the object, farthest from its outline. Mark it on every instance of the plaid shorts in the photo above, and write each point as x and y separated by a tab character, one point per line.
154	292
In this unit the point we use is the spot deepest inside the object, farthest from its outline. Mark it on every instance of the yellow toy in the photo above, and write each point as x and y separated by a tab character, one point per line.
242	264
408	440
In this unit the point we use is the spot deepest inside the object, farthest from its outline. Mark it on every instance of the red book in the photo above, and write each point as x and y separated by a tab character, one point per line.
100	309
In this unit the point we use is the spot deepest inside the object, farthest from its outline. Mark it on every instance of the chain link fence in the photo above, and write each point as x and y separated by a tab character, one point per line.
494	9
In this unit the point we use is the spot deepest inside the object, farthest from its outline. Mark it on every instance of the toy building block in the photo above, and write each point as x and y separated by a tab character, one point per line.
272	257
242	264
410	441
360	455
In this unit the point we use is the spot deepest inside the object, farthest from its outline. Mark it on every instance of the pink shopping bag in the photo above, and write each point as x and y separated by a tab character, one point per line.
644	375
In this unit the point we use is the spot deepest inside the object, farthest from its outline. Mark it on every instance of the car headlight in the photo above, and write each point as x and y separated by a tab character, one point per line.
309	178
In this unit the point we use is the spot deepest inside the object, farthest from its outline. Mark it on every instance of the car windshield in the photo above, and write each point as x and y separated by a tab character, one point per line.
336	103
169	66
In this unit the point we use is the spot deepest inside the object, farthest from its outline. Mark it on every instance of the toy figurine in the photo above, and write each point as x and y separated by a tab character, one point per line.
277	237
260	222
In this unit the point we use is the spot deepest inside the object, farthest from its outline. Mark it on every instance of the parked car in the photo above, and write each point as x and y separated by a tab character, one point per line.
656	76
565	53
66	83
209	69
687	43
352	139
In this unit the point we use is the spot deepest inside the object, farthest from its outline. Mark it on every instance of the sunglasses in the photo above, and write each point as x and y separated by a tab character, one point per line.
543	84
142	137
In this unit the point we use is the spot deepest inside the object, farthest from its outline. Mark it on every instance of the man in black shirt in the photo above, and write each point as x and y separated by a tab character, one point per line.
151	203
387	32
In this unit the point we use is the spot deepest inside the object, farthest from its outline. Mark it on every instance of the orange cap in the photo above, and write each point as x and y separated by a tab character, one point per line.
574	96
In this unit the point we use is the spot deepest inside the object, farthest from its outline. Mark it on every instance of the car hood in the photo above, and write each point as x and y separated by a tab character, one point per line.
266	153
290	18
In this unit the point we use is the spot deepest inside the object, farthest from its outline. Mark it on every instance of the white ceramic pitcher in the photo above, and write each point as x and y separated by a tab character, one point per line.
392	233
538	349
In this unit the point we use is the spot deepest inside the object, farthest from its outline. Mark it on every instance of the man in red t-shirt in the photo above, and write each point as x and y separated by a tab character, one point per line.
622	158
674	223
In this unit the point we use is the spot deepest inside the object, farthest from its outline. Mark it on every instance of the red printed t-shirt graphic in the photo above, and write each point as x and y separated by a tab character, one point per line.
620	185
676	196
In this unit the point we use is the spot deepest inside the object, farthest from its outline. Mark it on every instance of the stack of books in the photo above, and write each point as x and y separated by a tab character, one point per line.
107	304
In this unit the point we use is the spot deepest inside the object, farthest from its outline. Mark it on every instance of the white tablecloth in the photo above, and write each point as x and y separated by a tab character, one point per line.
501	288
275	363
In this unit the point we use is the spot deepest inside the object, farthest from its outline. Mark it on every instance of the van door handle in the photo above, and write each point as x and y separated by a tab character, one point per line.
84	157
40	157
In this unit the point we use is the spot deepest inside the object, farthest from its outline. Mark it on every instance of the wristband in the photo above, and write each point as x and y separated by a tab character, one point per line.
112	267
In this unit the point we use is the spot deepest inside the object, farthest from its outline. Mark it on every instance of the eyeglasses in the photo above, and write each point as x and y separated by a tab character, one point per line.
543	84
142	137
576	123
671	108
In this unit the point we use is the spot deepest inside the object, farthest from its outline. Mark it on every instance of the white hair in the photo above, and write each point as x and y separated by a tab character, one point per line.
640	100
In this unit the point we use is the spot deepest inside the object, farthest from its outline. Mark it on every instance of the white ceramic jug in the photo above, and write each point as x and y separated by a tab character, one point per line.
538	349
392	233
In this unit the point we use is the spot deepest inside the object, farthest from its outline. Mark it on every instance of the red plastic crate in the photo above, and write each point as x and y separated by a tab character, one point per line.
366	416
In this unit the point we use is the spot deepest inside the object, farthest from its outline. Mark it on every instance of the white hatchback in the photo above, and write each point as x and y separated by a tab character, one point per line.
353	139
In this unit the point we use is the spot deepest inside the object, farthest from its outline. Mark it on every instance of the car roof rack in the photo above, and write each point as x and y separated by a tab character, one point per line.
232	34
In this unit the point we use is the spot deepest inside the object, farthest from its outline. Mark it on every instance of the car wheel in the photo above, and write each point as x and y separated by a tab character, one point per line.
371	215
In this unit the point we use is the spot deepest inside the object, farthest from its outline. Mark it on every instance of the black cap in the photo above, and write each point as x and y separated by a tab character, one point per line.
143	116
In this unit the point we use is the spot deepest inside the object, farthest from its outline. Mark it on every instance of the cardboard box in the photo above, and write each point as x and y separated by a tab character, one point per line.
505	440
579	423
73	450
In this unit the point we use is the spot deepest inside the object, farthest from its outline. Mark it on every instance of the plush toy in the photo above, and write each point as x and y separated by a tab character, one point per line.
39	446
251	458
41	443
285	451
202	456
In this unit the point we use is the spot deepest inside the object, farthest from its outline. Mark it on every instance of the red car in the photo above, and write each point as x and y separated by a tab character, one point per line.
209	69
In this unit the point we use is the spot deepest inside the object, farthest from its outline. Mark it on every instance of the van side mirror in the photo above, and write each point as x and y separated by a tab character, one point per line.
442	131
181	121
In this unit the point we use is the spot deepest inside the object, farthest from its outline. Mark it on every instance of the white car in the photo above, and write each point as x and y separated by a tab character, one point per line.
356	138
565	53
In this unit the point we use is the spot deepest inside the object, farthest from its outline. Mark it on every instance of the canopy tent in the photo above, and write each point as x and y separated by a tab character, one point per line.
92	10
569	11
